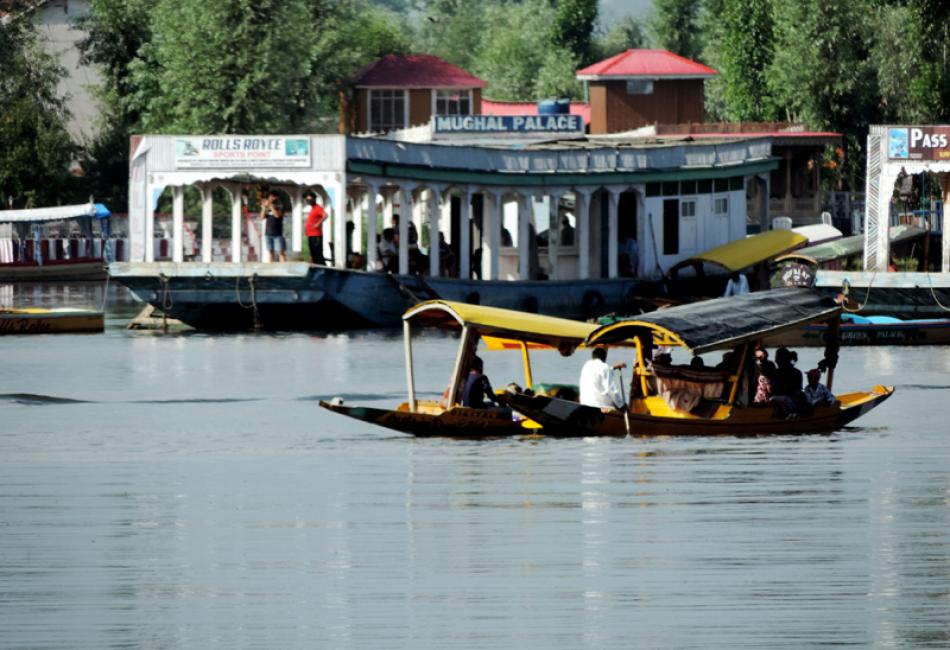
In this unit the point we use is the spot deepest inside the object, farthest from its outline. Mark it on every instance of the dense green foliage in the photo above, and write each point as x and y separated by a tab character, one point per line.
279	66
35	148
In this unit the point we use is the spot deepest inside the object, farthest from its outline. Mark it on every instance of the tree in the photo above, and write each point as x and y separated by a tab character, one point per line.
35	147
745	54
453	30
674	26
820	73
622	36
573	27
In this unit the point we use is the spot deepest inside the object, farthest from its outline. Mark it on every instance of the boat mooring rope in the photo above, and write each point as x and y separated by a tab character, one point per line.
167	300
252	283
930	283
846	288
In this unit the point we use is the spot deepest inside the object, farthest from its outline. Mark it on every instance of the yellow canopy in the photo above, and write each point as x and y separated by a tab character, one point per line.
743	253
498	326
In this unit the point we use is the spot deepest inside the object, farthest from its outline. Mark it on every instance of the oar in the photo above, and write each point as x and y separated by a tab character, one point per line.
623	394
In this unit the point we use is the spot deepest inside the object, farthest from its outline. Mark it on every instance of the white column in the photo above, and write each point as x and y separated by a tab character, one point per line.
388	195
236	214
524	234
405	215
434	251
178	223
328	239
613	200
296	210
149	226
339	225
945	239
465	235
358	220
582	232
372	224
207	205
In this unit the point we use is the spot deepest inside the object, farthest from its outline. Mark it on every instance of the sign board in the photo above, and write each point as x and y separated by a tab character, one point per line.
798	275
241	151
918	143
514	124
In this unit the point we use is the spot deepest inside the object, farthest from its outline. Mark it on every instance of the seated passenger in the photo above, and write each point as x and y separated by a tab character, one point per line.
816	393
477	387
766	370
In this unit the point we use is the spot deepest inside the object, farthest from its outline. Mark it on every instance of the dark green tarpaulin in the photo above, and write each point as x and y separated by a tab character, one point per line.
725	322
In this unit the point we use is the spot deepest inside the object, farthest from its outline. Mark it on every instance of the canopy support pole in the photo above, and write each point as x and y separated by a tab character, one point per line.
461	360
528	380
734	392
410	376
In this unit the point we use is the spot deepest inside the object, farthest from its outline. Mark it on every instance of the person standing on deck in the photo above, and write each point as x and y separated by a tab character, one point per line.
272	213
314	229
598	384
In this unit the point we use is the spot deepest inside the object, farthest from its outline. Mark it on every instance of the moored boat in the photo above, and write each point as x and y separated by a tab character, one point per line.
34	320
872	330
686	401
498	329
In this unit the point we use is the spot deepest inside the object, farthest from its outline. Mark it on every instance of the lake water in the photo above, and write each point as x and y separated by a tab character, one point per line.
186	491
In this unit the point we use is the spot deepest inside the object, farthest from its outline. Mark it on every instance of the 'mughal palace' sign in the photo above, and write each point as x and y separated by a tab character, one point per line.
520	124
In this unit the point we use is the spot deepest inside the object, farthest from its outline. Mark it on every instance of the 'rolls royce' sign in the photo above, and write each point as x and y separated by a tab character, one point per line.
918	143
241	151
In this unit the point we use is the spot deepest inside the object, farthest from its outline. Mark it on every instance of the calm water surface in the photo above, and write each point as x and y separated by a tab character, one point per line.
170	491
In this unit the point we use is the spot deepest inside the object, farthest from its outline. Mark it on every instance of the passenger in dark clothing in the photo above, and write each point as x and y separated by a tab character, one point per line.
788	379
477	387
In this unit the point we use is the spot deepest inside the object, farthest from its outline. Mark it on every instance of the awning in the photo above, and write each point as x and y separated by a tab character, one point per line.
57	213
743	253
818	232
847	246
500	323
725	322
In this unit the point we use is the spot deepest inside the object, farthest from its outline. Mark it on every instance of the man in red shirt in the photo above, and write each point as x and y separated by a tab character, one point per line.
314	228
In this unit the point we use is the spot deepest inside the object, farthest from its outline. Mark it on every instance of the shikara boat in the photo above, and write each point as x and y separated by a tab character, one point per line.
719	401
872	330
499	329
50	321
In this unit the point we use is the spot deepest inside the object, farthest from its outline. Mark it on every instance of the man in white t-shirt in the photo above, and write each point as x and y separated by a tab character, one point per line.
598	384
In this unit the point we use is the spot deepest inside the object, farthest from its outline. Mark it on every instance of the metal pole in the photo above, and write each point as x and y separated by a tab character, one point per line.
410	377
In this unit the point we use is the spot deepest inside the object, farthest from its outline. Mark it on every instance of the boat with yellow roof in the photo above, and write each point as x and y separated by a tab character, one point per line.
498	329
35	320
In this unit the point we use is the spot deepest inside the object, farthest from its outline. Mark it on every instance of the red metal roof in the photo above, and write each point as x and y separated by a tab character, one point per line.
415	71
649	64
490	107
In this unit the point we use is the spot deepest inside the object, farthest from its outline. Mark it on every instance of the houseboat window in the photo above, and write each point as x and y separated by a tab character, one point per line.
705	186
653	189
639	86
722	185
736	183
453	102
387	110
688	209
688	187
671	188
721	205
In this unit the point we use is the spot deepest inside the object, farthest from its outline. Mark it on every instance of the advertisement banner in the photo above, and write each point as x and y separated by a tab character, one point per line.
241	151
918	143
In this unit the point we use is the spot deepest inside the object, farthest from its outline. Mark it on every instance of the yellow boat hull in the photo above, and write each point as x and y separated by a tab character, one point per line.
50	321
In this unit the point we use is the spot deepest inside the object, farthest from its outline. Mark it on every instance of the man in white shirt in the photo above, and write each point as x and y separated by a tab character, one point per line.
737	285
598	384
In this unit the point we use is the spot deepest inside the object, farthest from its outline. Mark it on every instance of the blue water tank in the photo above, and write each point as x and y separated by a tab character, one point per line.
554	107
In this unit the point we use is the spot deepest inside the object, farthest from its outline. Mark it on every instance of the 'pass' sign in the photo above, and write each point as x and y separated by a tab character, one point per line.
918	143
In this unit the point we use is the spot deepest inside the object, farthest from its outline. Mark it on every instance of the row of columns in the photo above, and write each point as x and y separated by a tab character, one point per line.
431	204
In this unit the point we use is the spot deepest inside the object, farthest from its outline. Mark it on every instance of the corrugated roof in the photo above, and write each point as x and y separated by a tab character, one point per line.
415	71
649	64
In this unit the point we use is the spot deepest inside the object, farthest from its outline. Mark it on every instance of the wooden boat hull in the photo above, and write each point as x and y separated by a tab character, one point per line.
455	423
912	332
591	421
50	321
54	271
301	297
